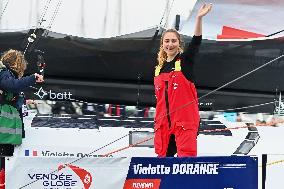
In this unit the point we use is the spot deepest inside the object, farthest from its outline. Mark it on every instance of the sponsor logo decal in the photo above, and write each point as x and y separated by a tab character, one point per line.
63	180
84	175
51	95
142	183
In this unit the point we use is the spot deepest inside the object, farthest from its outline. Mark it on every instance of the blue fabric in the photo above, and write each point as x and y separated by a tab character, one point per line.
9	83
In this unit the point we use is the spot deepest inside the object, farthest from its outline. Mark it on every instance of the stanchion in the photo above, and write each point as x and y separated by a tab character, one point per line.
264	162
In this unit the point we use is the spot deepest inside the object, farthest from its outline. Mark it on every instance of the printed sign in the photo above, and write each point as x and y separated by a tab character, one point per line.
198	173
132	173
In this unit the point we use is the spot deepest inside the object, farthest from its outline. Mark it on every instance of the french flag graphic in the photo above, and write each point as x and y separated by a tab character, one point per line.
31	153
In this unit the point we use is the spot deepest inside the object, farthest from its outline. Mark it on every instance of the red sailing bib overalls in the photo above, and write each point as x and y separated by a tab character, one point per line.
176	112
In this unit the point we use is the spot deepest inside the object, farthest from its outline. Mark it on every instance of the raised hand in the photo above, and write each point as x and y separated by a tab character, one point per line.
204	10
39	78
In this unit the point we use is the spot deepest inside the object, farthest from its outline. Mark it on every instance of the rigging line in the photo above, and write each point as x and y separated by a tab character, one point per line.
169	11
203	131
138	89
159	26
163	16
246	107
129	146
278	109
33	36
274	162
274	33
248	42
5	7
105	17
187	104
226	84
55	13
46	6
183	106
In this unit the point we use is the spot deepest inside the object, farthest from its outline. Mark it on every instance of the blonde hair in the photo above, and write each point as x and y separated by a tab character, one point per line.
15	60
162	55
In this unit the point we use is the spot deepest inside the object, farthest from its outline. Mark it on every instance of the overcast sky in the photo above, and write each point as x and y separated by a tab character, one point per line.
93	18
107	18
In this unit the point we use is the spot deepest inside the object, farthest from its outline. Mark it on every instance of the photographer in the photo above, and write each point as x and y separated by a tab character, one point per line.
12	84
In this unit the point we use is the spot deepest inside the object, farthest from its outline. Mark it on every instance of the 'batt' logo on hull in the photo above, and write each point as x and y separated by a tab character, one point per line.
51	95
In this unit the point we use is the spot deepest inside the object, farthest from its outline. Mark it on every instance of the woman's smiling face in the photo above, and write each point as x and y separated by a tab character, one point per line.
171	44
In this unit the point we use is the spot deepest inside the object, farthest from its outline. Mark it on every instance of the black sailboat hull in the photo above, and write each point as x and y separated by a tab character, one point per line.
119	70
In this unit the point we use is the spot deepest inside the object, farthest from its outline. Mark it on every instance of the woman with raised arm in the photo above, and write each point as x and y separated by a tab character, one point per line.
177	115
